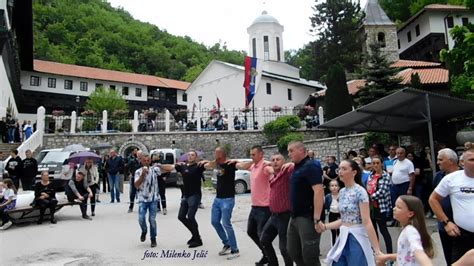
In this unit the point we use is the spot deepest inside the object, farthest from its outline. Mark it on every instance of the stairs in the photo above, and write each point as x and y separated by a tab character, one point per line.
5	149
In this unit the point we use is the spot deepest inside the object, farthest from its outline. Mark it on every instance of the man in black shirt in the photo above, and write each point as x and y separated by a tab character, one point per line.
3	130
224	202
192	174
28	171
306	199
11	126
14	166
133	165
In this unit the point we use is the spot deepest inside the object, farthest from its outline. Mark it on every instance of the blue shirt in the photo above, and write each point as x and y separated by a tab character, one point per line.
306	174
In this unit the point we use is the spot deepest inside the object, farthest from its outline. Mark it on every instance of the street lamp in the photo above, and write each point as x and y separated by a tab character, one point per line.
77	105
200	100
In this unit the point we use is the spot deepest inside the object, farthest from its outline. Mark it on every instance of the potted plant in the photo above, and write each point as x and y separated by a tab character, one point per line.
88	113
276	109
58	112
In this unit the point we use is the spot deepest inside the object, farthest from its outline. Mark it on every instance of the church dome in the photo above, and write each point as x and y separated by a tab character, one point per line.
265	18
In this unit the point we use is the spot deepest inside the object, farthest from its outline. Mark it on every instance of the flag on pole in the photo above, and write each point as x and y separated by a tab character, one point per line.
218	103
252	76
194	109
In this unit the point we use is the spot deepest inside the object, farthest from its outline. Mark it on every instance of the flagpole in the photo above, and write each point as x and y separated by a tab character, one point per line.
253	112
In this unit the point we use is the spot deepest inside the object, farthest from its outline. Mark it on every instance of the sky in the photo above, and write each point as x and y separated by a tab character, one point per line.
224	21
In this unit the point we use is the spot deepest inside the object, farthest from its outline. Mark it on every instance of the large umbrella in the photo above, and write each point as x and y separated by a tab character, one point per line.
184	157
80	157
101	146
74	147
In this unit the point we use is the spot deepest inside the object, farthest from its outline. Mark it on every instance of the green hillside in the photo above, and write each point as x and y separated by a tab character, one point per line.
93	33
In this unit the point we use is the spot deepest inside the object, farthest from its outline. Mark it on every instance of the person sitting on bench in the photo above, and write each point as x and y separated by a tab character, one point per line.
77	190
45	197
8	202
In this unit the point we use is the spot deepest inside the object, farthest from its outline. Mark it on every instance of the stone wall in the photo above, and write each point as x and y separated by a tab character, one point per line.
327	146
239	141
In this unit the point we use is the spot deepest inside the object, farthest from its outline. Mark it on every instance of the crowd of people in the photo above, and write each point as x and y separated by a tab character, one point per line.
11	131
292	200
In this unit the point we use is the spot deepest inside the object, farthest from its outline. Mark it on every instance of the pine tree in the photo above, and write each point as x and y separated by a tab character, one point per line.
415	81
380	77
337	100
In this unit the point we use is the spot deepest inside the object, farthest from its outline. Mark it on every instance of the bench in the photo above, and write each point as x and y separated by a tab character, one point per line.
29	213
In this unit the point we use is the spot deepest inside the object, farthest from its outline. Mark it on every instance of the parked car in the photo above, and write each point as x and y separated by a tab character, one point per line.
169	156
43	153
242	179
55	163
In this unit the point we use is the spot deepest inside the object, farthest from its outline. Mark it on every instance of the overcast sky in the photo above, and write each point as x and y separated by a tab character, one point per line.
211	21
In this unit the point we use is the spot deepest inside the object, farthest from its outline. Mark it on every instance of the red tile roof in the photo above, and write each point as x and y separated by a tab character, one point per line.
444	7
414	64
107	75
353	86
427	76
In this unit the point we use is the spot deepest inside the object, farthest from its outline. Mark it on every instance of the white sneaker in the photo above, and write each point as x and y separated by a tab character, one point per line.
233	255
6	226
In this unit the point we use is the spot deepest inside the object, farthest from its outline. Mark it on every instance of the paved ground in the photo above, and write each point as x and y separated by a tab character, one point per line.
113	237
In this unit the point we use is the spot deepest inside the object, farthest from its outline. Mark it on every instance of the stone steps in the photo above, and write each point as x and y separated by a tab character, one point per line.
5	149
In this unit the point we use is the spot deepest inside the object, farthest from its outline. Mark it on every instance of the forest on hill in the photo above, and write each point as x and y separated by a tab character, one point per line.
93	33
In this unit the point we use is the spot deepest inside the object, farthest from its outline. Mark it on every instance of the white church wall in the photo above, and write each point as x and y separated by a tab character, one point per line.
426	27
6	93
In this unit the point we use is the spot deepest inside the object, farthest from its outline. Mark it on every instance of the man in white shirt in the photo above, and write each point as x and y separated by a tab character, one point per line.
459	186
403	176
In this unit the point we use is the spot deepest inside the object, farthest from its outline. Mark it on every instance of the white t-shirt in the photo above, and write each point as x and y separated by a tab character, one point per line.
401	171
460	189
409	241
9	193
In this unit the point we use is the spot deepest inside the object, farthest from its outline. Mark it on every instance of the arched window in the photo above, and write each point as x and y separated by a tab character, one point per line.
381	39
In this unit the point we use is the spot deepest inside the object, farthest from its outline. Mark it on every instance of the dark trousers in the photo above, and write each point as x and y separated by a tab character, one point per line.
105	187
44	204
379	219
83	206
94	188
334	232
27	182
133	191
277	224
462	244
16	180
258	217
162	190
447	243
187	214
303	241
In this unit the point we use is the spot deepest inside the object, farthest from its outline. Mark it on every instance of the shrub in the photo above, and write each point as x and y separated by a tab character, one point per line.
122	125
89	124
282	143
280	127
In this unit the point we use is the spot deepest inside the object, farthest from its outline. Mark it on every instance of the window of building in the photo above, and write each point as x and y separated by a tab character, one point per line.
83	86
125	91
417	30
51	83
266	48
399	46
99	85
465	21
290	97
35	81
185	97
409	36
112	87
254	47
269	88
68	84
138	92
381	39
450	22
278	48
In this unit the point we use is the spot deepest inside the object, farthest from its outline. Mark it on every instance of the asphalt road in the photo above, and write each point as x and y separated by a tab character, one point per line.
112	237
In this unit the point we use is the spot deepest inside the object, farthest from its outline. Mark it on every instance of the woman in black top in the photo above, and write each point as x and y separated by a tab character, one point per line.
45	197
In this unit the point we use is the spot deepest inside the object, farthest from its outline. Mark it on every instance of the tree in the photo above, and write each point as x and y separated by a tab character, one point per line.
105	99
397	10
337	100
337	24
379	75
460	62
415	81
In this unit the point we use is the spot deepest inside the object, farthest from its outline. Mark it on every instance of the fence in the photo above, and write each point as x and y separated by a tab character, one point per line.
178	120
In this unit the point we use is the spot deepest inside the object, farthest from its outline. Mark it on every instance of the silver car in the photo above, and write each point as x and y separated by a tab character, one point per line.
242	179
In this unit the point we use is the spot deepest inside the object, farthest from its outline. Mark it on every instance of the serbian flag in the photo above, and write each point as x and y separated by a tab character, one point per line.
252	77
218	103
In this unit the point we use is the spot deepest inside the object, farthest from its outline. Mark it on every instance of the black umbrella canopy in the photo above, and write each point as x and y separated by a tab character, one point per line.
401	112
100	146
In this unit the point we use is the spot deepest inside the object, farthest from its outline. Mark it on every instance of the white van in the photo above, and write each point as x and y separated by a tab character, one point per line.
169	156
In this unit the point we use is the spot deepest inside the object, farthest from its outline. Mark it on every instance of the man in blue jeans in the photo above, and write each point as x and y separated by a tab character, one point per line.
114	167
224	202
146	183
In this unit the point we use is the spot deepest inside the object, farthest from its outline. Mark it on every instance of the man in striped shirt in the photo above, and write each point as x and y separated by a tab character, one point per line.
277	224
